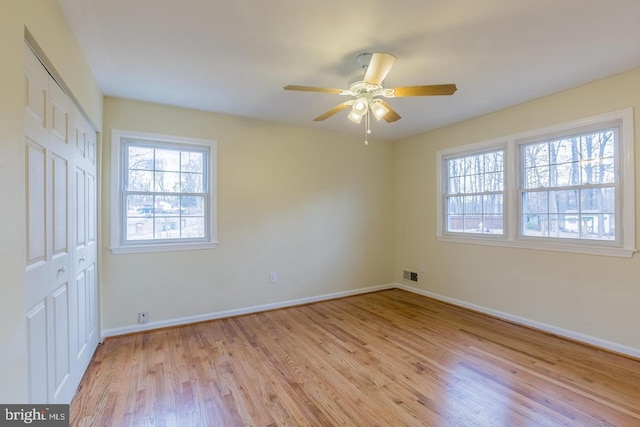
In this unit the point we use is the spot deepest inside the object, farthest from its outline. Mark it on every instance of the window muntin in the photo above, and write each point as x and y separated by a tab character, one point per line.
474	193
568	186
164	193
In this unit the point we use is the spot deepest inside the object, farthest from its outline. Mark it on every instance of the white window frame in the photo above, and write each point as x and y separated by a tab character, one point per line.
118	170
624	246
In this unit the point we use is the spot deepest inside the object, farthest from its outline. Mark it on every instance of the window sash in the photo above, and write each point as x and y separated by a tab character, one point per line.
155	195
591	225
477	221
580	224
160	145
154	217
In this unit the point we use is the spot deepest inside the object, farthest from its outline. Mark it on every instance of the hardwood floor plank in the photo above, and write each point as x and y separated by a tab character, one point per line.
388	358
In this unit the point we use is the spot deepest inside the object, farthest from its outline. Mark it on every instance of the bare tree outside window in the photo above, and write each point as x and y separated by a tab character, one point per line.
474	193
569	187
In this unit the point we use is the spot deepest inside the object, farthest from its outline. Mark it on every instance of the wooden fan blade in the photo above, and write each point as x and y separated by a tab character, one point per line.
378	68
314	89
333	111
391	116
426	90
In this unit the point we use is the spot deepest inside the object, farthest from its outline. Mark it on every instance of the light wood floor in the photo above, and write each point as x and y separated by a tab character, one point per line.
388	358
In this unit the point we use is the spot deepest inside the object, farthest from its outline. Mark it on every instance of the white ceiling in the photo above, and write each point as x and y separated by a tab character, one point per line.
235	56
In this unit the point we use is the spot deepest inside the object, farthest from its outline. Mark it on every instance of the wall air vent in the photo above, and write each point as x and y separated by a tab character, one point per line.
410	275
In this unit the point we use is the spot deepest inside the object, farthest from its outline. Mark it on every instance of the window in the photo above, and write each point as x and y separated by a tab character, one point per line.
566	188
163	193
475	193
569	188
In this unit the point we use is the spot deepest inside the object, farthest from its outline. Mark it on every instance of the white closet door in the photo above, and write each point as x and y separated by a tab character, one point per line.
85	213
60	111
39	312
52	264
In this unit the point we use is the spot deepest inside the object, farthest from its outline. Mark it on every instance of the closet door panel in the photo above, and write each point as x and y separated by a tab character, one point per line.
60	239
62	386
37	340
37	267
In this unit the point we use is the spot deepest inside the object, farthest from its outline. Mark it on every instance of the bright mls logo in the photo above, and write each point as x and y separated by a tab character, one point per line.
36	415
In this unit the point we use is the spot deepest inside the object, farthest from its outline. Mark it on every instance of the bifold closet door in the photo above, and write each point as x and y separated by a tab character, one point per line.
61	315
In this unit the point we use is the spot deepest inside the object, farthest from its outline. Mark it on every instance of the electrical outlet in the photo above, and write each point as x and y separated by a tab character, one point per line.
143	316
273	277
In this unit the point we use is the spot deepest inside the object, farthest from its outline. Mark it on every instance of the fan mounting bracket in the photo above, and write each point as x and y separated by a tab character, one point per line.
364	59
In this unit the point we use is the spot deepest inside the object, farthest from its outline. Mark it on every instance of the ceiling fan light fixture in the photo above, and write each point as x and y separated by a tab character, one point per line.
355	117
361	106
379	110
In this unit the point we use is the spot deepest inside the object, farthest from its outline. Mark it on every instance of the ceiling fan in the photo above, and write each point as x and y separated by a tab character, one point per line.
368	92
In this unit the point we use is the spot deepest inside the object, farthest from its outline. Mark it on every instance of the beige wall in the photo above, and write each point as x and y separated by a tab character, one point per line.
13	364
315	207
45	21
593	295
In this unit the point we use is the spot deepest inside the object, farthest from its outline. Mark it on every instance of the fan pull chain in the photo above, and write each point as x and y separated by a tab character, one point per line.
367	129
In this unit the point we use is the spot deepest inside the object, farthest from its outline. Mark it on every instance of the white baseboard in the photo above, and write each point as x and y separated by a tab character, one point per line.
239	311
576	336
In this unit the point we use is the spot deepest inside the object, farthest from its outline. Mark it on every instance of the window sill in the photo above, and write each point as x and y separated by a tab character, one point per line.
542	246
139	249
